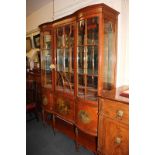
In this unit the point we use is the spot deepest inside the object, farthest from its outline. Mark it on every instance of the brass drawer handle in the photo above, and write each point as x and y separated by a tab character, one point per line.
118	140
120	113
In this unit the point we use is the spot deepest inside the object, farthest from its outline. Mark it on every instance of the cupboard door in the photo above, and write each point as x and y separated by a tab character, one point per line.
64	107
116	138
86	117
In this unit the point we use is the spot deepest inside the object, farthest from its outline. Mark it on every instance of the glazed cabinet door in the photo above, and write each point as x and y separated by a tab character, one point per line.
64	36
47	99
115	135
46	59
64	106
109	69
87	58
46	72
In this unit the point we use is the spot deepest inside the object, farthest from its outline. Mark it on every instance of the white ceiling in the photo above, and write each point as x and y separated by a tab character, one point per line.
33	5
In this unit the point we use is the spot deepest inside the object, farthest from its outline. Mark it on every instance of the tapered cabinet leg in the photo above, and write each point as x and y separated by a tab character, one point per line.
76	139
43	116
53	120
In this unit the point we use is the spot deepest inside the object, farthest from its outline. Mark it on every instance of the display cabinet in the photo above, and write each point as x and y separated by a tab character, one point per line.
78	64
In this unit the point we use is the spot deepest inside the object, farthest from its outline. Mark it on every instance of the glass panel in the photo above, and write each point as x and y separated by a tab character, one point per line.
90	59
67	33
108	55
72	36
92	81
81	60
72	59
60	60
81	80
67	60
46	62
95	60
47	41
92	30
60	37
81	32
72	78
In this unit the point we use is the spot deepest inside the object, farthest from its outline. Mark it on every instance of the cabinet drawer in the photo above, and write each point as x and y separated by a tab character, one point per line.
116	110
116	138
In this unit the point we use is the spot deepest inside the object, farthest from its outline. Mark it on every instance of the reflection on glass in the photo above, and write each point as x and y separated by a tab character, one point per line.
81	60
72	59
72	36
88	58
48	63
95	60
60	37
67	60
47	41
67	33
81	32
108	54
92	81
60	60
46	71
92	60
81	80
92	30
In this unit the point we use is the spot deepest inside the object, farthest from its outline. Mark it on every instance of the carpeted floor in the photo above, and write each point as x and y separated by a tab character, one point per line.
41	141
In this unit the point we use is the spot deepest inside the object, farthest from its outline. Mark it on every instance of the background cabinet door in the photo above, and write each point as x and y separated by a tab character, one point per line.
115	138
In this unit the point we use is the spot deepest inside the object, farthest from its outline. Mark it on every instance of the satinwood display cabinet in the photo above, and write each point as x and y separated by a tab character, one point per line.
78	63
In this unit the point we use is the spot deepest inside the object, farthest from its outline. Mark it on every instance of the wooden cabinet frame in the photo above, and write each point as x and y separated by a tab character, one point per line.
84	111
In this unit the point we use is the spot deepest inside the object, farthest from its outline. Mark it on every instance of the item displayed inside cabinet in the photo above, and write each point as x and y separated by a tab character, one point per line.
78	55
